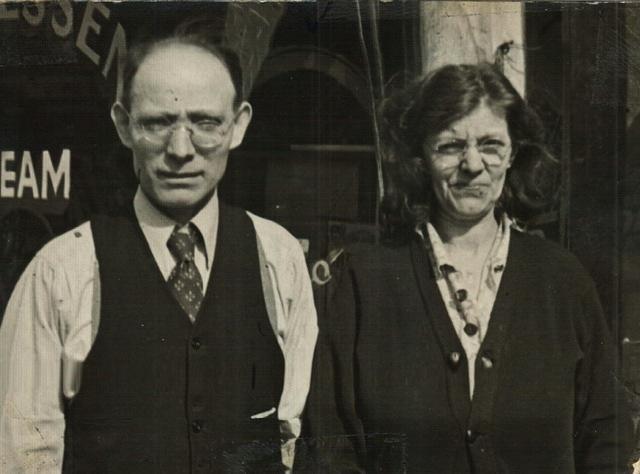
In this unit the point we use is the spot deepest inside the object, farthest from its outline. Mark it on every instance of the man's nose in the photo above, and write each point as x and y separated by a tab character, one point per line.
180	145
472	160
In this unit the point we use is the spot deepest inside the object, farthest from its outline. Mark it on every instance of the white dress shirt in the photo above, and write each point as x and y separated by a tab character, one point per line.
157	229
53	317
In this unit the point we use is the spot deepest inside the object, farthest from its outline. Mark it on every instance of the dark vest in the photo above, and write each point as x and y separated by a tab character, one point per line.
162	395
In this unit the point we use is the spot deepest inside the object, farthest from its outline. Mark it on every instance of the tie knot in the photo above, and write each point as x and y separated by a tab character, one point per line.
182	244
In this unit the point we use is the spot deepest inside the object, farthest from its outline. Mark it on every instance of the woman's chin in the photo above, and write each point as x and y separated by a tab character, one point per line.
470	213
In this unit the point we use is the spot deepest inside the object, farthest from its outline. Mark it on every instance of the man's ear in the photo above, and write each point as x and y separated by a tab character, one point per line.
120	119
241	123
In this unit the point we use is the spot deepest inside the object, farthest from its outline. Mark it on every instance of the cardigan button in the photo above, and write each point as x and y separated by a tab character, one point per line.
195	343
454	359
471	436
196	427
486	362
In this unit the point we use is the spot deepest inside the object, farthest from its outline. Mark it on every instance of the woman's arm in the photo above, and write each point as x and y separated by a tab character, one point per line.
603	431
334	431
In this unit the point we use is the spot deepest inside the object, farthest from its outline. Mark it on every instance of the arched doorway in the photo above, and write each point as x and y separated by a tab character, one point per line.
308	158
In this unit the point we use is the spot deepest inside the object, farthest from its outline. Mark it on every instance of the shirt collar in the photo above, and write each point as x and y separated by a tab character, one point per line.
157	226
439	256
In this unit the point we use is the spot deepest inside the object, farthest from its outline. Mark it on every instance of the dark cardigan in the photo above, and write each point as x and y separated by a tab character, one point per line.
391	379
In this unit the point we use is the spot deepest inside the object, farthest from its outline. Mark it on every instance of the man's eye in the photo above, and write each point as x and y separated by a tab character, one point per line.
450	148
155	124
207	125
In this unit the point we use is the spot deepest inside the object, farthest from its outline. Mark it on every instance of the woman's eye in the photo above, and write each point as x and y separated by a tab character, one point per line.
451	148
493	142
492	146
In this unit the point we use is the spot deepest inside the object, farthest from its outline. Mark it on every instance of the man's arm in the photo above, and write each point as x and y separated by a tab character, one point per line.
289	301
31	417
299	342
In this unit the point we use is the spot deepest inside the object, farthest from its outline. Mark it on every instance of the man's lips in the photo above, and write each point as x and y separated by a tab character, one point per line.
178	175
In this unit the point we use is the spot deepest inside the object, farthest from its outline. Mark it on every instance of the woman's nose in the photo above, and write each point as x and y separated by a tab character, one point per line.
472	160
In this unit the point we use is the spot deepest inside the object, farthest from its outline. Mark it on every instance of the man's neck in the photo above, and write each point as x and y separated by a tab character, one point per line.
181	215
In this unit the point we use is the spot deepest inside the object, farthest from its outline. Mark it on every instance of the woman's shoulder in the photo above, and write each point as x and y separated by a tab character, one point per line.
546	256
368	255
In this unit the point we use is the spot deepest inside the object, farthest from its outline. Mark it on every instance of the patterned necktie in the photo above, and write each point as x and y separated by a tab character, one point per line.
185	281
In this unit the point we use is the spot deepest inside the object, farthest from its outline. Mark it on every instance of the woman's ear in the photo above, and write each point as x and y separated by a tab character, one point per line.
120	118
241	123
515	148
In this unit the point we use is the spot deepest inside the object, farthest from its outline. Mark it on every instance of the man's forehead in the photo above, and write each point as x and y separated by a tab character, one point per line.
182	71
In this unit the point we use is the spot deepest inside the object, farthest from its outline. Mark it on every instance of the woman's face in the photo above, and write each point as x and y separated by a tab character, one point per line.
468	163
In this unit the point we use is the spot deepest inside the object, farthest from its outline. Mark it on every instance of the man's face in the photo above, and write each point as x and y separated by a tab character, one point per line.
181	126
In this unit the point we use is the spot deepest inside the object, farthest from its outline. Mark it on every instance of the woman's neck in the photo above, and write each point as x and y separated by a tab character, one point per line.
466	236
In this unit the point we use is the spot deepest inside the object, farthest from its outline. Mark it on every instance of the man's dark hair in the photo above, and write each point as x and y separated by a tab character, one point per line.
194	33
430	105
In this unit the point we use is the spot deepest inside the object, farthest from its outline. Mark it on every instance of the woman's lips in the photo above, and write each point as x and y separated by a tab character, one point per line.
470	189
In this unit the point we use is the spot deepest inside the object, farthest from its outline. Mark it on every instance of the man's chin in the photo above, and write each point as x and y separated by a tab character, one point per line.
177	203
180	203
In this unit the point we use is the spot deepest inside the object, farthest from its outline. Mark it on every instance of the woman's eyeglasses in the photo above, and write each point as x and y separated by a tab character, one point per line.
493	151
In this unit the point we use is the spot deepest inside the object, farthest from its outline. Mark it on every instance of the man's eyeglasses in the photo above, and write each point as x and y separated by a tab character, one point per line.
449	152
205	133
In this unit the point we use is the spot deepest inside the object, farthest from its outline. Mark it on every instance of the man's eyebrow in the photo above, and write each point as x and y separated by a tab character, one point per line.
207	114
158	114
194	116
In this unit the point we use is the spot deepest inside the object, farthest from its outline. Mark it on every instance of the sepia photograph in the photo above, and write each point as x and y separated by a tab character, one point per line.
319	236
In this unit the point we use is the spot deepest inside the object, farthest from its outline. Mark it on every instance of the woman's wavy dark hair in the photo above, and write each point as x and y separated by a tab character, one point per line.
430	105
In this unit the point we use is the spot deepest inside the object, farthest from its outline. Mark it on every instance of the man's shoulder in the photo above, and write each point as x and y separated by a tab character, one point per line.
272	236
69	248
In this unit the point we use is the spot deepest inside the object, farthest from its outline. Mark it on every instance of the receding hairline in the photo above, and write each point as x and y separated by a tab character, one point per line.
179	42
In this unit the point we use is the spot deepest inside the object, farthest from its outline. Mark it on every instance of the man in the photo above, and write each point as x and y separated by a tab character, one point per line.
177	335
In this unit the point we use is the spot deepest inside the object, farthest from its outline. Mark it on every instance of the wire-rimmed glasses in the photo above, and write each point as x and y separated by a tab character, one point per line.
449	152
205	133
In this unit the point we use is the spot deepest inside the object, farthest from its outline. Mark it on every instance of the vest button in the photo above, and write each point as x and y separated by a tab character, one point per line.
195	343
196	427
471	436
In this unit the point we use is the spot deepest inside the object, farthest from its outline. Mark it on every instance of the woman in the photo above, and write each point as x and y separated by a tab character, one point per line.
466	345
